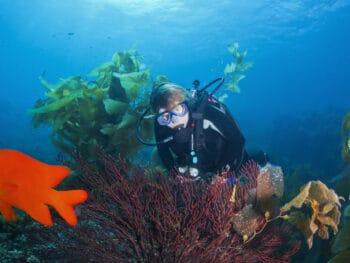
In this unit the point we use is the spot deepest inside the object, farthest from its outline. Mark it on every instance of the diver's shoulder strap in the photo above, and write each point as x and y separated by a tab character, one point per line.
197	138
204	100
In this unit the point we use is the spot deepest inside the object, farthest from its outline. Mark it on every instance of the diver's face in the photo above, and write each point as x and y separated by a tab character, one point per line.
174	116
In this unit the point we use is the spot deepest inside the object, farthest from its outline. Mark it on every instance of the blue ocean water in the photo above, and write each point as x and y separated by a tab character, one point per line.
291	103
294	96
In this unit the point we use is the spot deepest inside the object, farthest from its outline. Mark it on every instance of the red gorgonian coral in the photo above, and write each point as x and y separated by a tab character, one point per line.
133	216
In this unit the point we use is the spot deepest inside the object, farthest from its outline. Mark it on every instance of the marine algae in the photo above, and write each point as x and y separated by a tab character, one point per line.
323	203
233	71
86	114
341	245
345	135
325	210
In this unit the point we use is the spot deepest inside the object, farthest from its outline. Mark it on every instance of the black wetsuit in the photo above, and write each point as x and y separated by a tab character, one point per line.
223	141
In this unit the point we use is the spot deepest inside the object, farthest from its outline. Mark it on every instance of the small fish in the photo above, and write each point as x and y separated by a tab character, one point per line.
27	184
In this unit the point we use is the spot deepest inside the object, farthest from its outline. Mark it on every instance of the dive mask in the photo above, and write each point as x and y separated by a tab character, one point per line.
174	115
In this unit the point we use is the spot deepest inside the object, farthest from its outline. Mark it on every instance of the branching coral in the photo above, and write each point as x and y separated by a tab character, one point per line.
139	215
134	217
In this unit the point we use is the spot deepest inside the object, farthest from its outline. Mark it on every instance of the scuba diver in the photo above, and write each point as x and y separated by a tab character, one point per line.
195	133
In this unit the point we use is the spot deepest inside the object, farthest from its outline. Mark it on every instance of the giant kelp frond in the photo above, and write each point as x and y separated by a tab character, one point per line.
132	82
85	114
233	71
122	62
